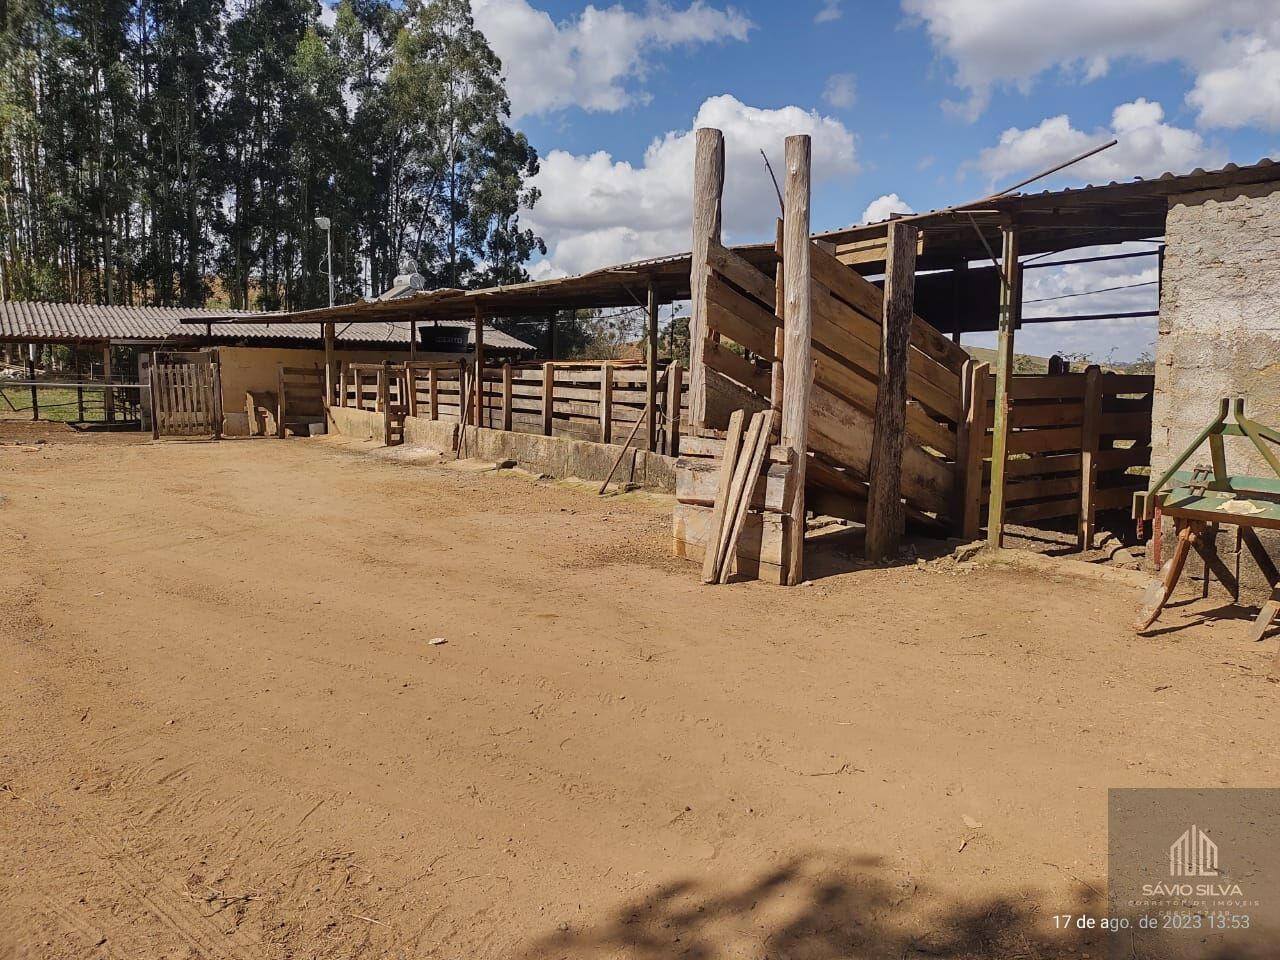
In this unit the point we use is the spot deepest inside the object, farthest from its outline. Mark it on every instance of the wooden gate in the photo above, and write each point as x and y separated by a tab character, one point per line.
186	395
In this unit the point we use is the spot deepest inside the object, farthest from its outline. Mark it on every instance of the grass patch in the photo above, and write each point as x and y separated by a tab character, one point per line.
58	404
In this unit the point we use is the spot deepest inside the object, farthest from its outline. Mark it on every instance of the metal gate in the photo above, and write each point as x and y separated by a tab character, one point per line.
186	394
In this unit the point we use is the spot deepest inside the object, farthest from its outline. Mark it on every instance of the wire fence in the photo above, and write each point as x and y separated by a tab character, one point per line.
71	401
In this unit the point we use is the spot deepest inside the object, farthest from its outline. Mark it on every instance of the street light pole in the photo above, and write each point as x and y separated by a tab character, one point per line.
325	224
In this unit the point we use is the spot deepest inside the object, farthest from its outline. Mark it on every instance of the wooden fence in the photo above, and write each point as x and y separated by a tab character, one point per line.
1073	440
598	401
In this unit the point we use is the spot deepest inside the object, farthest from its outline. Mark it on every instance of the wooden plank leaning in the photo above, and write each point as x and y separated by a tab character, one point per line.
728	462
745	475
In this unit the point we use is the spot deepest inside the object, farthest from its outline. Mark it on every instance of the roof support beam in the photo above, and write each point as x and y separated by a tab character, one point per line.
1010	312
479	367
651	371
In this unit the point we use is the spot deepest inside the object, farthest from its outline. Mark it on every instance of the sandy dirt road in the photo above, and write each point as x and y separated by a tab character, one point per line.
226	732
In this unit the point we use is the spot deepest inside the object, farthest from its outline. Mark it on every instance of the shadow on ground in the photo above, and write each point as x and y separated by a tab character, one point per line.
810	909
1226	612
837	550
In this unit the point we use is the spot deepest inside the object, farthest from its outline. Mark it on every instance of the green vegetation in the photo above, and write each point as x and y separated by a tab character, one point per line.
175	152
56	403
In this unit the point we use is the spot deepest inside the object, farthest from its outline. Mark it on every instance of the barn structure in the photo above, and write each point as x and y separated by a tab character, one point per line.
110	350
847	343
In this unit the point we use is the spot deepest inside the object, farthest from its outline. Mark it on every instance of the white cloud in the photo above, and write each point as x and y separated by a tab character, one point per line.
1148	146
881	207
841	91
1244	90
830	11
596	210
995	43
328	14
593	60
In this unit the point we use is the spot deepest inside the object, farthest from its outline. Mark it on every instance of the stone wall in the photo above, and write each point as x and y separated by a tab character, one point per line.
1219	332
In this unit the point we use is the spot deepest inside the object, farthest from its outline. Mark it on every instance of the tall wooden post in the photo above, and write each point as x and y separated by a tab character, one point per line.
1090	434
776	388
31	377
108	398
506	396
708	186
413	341
606	403
328	365
1010	312
797	362
675	391
79	389
970	440
479	380
651	372
548	397
884	496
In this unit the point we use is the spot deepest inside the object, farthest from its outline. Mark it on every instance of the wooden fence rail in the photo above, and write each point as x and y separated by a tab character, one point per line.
596	401
1074	439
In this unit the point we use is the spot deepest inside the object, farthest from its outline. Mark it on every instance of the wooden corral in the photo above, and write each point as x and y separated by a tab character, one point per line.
603	402
867	401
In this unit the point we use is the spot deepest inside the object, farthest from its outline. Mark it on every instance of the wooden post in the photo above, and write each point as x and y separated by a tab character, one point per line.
280	401
959	294
884	495
651	372
328	365
79	389
153	381
506	396
433	393
480	393
342	384
797	364
779	335
1010	311
31	377
463	410
413	341
384	400
215	367
411	385
675	388
606	403
108	398
382	378
1089	436
548	396
708	186
970	443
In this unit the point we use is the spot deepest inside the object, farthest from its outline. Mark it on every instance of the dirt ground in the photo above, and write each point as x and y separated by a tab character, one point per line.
227	731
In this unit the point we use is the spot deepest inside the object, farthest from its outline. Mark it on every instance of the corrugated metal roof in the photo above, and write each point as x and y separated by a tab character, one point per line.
32	320
1116	192
622	285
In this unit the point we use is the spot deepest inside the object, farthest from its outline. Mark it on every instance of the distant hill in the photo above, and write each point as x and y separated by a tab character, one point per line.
1027	363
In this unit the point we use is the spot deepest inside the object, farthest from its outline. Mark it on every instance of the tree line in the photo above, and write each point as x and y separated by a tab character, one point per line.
177	152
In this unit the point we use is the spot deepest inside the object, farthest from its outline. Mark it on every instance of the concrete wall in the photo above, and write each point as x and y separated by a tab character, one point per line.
559	457
1219	332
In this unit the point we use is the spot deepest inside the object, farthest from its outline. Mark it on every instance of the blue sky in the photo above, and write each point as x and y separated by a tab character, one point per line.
921	102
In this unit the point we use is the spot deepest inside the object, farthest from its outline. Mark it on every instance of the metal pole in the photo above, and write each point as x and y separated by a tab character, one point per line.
328	240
